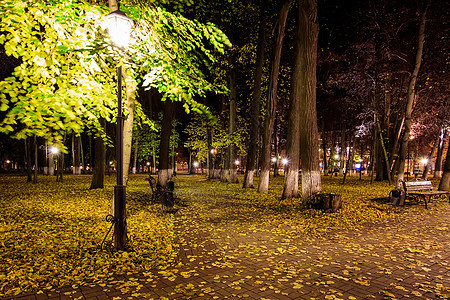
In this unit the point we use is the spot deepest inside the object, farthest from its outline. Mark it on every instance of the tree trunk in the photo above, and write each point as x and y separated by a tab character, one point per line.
255	105
136	148
35	160
324	149
440	154
290	189
309	135
164	146
98	175
445	180
60	164
385	155
272	98
430	158
411	95
76	153
373	154
342	153
130	86
210	151
392	163
153	161
349	160
28	159
378	157
232	128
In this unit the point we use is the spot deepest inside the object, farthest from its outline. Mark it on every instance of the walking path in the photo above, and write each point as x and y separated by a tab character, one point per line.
219	259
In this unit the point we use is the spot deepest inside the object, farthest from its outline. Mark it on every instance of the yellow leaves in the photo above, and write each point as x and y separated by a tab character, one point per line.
387	294
414	250
58	228
297	285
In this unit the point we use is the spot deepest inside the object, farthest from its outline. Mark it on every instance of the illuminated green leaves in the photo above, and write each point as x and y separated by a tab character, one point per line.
54	90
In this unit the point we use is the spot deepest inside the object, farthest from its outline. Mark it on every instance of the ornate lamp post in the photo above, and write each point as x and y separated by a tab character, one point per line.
119	26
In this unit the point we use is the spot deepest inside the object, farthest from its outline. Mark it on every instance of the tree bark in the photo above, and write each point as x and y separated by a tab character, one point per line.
98	175
35	160
385	155
256	101
60	164
445	180
411	95
210	151
324	149
130	86
349	160
232	178
440	154
342	153
309	134
164	146
28	159
430	158
272	98
136	148
76	154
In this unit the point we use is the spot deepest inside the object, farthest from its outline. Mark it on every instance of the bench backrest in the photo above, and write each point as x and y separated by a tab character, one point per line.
152	182
417	185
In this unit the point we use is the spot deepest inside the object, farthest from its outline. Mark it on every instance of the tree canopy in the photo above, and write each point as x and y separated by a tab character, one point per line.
66	78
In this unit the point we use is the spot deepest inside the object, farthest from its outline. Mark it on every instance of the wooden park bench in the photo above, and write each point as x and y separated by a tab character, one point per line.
164	195
423	189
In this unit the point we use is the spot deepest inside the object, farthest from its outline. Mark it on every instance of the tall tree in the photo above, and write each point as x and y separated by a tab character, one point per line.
445	180
411	96
255	105
309	134
98	174
302	114
440	153
164	147
271	106
231	166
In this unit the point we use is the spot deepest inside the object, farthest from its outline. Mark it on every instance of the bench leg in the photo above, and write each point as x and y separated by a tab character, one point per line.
425	199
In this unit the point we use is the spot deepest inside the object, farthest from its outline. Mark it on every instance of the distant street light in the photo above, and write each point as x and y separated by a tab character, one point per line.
284	161
274	159
237	162
119	26
54	150
358	167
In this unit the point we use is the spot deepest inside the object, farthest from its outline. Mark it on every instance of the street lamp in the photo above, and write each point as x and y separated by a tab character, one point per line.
54	150
119	26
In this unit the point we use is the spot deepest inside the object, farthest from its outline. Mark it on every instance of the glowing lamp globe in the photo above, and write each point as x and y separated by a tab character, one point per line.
118	26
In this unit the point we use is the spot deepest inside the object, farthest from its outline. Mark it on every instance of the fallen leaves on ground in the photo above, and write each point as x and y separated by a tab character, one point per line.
227	238
51	234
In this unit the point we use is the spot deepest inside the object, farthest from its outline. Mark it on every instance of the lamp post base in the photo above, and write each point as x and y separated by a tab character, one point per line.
120	223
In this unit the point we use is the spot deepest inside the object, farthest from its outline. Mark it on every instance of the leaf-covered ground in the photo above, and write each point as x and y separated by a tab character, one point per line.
50	234
223	242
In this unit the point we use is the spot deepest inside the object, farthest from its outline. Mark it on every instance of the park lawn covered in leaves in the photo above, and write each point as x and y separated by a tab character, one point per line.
230	204
51	232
